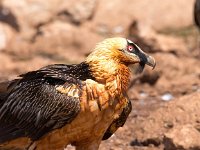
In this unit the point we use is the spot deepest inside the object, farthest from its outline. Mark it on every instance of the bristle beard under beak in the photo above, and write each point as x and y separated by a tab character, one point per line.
137	68
144	60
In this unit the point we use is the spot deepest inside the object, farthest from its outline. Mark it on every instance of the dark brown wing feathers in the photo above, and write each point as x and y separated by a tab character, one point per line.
32	106
119	122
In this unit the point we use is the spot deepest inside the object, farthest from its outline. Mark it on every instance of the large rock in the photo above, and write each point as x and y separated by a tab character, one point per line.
37	12
56	21
79	11
30	15
113	17
184	137
68	42
88	21
167	121
163	14
156	14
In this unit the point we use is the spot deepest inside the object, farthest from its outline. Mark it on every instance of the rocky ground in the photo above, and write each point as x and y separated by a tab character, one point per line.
166	101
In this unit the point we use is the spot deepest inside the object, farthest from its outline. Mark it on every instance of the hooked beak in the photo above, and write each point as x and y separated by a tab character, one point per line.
150	61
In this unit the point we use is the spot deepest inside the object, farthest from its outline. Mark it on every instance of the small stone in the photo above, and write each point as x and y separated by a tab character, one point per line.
143	94
168	124
167	97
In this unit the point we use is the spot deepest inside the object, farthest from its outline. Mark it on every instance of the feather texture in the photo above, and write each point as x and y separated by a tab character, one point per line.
32	106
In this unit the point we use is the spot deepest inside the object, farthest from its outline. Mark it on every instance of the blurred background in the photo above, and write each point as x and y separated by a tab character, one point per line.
166	101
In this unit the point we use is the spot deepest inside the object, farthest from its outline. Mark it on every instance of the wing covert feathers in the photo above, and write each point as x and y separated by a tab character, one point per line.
41	101
119	121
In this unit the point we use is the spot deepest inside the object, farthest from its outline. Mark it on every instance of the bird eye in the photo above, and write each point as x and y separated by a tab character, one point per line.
130	48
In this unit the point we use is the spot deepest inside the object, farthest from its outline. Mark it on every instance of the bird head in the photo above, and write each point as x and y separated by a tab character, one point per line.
113	52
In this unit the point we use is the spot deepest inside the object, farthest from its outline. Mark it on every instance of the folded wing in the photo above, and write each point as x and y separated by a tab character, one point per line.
32	105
